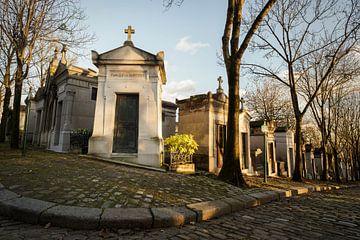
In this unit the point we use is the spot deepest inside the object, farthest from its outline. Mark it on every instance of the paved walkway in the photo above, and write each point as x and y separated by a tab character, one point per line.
70	180
326	215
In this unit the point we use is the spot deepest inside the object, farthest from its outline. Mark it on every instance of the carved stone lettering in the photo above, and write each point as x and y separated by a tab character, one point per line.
125	74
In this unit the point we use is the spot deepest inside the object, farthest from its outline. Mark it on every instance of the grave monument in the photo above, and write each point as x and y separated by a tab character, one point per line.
128	112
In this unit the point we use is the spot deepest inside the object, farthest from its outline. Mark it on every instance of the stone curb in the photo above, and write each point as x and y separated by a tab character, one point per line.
24	209
35	211
71	217
126	218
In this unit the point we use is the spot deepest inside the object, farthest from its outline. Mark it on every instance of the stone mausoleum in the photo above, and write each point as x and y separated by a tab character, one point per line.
128	113
66	102
205	117
131	117
285	150
260	140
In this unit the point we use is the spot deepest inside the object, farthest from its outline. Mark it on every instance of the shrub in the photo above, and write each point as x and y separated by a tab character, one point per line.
82	132
79	138
183	144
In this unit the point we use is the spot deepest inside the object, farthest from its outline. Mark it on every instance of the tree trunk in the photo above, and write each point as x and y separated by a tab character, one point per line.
357	168
7	97
231	170
346	173
336	165
14	143
297	175
357	162
324	153
5	114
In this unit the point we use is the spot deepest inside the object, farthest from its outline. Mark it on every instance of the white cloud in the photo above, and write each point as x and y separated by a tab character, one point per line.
184	45
170	68
178	89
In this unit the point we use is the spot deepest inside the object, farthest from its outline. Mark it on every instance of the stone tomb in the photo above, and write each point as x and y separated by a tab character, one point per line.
285	150
205	117
65	103
257	141
128	113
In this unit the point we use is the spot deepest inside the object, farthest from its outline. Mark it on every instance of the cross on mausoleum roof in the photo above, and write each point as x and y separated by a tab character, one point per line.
220	81
220	89
129	31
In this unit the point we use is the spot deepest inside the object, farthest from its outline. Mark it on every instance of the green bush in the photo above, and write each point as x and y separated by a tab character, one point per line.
183	144
79	138
81	131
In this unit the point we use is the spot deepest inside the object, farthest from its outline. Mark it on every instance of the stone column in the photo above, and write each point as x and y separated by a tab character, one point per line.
67	127
68	104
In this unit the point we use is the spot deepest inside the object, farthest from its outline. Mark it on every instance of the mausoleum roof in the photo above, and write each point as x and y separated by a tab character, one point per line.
167	104
130	55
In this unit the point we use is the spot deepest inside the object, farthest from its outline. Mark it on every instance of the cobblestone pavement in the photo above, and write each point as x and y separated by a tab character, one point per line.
327	215
70	180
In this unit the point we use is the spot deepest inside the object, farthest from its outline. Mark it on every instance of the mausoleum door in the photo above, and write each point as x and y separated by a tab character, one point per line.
271	156
220	144
126	123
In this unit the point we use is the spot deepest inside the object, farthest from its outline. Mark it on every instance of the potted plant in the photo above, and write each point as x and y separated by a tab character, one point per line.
181	148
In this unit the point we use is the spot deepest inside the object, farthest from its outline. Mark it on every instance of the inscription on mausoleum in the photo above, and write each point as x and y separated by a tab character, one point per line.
124	74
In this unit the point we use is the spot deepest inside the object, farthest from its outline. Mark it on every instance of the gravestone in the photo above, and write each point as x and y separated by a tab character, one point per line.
128	114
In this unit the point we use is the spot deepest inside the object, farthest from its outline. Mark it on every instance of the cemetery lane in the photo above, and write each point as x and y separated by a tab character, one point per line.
70	180
325	215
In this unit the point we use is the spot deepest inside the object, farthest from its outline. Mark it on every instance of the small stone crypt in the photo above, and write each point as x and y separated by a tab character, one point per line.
205	117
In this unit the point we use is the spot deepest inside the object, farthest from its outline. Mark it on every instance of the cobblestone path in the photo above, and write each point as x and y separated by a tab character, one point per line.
327	215
70	180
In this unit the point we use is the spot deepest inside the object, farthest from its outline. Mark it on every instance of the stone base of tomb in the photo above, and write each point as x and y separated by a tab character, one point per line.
183	168
149	151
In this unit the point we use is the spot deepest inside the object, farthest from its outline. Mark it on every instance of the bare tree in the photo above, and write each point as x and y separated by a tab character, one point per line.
233	49
293	30
269	101
344	71
345	132
25	24
7	53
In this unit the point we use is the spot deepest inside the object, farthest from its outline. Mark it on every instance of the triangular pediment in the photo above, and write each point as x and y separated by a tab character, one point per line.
127	53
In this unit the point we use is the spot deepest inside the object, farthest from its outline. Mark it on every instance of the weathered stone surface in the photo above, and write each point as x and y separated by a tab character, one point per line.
1	186
24	209
176	216
6	195
300	190
248	201
310	188
313	216
347	224
274	195
126	218
284	193
209	210
236	204
262	197
72	217
89	183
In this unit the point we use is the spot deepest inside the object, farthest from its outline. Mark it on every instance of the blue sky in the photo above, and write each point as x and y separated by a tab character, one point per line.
190	36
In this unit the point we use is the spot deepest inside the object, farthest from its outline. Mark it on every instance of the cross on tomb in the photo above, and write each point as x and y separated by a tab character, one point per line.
129	31
220	82
242	104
